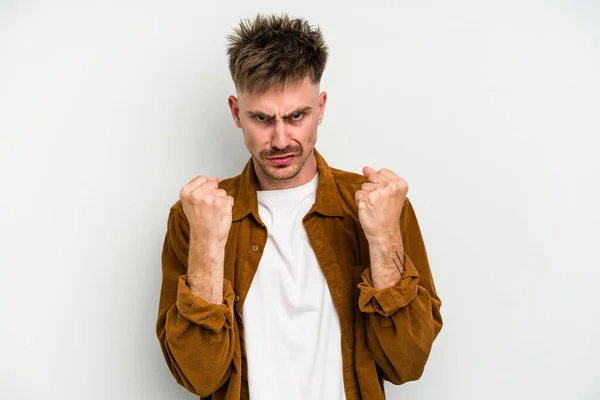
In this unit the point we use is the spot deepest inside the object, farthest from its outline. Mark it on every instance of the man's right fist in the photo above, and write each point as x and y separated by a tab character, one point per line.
208	209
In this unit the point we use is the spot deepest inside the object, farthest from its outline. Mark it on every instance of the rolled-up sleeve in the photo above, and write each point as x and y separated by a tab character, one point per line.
389	300
195	309
197	338
403	320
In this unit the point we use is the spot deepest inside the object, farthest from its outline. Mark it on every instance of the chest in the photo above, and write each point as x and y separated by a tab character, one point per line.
315	246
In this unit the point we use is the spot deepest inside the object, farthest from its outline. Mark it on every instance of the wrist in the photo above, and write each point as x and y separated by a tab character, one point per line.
384	240
210	247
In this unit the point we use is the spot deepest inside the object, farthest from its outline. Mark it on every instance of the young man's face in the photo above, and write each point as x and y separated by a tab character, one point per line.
280	130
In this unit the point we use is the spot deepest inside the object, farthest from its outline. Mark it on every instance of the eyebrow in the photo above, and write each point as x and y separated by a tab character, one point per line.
256	113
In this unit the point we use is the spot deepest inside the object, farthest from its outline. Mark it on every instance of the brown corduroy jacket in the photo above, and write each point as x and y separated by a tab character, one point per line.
385	334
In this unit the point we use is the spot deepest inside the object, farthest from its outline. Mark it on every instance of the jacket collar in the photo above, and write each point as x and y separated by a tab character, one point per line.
326	202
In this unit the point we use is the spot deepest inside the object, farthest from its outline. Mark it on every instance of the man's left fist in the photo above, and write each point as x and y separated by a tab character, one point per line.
380	202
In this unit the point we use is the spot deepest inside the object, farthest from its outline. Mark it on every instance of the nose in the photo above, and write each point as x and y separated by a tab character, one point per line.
280	137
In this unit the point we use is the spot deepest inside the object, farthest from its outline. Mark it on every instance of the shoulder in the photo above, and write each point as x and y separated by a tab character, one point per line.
347	179
347	183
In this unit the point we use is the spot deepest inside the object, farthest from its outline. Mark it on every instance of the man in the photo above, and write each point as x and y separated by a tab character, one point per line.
292	280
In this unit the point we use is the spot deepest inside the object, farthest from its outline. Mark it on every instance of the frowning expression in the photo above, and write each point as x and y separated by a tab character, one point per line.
280	130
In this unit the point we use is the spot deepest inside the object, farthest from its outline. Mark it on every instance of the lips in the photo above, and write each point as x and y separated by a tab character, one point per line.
282	160
286	156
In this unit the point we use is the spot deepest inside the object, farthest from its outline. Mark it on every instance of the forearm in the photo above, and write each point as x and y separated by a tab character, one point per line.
387	260
198	338
402	320
205	269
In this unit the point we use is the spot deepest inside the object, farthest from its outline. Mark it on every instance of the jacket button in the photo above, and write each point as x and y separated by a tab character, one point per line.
237	298
254	248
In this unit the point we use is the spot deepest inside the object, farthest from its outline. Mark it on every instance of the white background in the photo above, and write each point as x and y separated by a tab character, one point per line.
490	110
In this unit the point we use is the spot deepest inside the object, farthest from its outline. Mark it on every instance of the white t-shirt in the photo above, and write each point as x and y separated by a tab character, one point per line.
292	331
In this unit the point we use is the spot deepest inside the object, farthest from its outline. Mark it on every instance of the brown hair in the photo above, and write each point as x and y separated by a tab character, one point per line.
273	51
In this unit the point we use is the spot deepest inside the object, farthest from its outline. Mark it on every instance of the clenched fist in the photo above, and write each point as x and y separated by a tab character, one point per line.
380	202
208	210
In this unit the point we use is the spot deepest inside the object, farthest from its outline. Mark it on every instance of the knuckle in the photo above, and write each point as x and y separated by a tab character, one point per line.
402	185
198	179
195	195
210	185
207	199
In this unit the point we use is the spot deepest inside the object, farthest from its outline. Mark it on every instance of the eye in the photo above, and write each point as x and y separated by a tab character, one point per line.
298	116
260	118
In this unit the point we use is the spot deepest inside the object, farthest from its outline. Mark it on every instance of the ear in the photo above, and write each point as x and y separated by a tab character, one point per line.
235	110
322	101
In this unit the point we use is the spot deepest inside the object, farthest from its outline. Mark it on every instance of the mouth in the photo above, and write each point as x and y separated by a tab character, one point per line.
282	160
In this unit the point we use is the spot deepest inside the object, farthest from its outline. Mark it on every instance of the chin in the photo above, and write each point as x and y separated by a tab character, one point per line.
283	173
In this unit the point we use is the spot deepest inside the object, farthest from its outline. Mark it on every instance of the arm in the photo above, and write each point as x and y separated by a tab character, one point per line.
402	315
196	336
208	260
387	260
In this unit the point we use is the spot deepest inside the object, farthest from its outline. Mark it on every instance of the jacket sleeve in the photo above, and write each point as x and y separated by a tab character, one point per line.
196	337
403	320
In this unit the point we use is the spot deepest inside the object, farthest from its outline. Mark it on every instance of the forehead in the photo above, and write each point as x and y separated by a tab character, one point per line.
280	98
